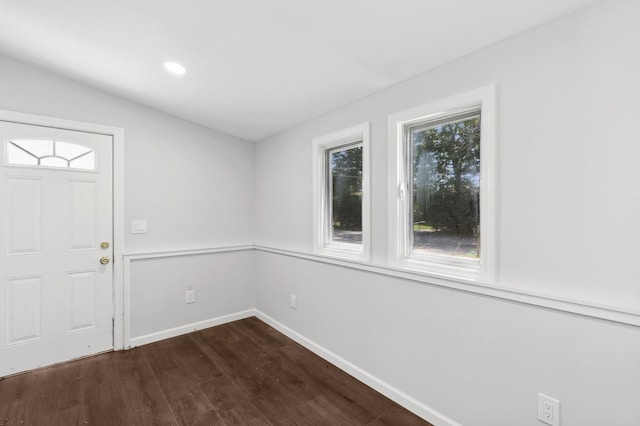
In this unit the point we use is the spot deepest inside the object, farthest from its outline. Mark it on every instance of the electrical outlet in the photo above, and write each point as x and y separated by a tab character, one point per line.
139	226
548	410
293	302
190	296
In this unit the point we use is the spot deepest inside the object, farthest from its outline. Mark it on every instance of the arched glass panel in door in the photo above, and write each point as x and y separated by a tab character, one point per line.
50	153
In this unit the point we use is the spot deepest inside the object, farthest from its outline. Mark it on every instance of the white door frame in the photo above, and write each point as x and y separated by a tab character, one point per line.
118	202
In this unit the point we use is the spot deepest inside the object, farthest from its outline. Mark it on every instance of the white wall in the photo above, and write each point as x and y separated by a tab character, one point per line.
222	285
192	184
569	199
477	360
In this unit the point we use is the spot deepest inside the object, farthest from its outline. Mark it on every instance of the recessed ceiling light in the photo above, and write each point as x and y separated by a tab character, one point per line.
175	68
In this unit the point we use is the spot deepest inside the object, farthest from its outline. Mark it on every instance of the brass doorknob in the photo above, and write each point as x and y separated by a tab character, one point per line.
104	260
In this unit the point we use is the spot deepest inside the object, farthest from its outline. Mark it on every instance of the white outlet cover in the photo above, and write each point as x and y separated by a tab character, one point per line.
139	226
548	410
293	302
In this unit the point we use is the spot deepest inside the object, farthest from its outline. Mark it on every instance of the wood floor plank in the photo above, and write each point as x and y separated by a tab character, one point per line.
258	374
17	394
318	411
166	368
161	416
245	365
143	395
241	373
194	410
266	337
361	403
99	379
239	359
62	396
11	393
290	378
231	403
274	384
185	399
397	416
357	399
194	363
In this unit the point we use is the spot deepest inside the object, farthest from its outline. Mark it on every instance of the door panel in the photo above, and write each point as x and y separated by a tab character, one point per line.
55	210
82	214
24	313
24	216
81	300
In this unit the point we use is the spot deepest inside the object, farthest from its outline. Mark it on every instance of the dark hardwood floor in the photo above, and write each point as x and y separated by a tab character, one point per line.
241	373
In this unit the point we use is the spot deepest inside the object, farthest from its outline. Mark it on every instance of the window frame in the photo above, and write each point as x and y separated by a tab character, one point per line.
400	229
358	135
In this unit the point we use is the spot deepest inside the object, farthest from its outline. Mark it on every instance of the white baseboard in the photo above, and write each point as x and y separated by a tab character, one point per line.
184	329
411	404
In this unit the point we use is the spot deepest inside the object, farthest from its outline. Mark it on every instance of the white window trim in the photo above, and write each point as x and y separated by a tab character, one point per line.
320	145
398	251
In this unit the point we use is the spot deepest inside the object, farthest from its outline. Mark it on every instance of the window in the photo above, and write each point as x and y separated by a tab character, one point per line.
441	198
50	153
344	186
443	168
340	193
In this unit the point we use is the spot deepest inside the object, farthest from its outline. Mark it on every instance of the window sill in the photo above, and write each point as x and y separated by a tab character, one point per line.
342	251
443	266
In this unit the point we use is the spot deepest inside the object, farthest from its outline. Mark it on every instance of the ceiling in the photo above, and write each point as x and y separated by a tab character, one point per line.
257	67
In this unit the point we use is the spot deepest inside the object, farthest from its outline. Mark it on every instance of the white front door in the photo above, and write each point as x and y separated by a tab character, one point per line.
56	223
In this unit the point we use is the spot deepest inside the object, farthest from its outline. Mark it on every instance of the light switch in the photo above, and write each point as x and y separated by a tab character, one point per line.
138	226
